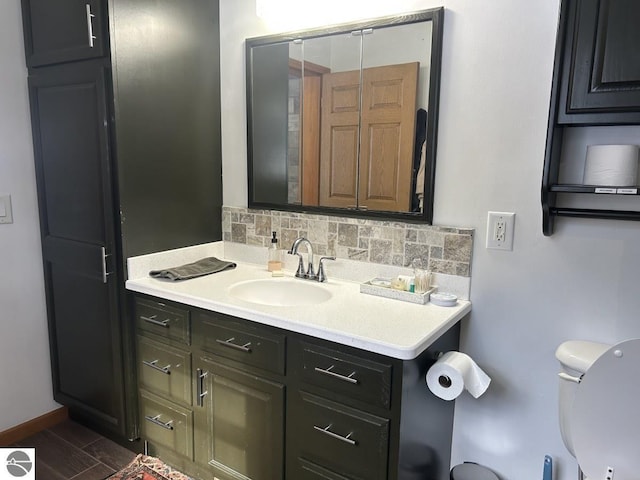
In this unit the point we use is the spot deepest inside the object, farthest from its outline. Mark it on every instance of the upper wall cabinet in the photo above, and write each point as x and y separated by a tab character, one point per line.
596	87
343	120
64	31
601	68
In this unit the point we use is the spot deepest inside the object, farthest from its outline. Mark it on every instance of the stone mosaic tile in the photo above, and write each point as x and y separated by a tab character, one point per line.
380	251
238	233
444	249
347	235
413	251
263	225
435	252
457	247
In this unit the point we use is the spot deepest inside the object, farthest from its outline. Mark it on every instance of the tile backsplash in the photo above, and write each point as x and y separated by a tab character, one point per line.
445	249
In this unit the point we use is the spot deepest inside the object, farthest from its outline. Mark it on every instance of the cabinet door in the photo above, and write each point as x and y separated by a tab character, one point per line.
239	423
58	31
69	119
165	57
603	68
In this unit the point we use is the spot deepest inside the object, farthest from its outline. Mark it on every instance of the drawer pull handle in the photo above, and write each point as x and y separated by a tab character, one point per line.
154	364
229	343
326	431
200	391
156	421
152	319
345	378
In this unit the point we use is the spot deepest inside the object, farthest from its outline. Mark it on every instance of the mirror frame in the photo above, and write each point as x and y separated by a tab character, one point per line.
436	16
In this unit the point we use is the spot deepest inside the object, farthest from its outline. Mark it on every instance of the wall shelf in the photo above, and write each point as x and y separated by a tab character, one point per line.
589	91
595	213
577	188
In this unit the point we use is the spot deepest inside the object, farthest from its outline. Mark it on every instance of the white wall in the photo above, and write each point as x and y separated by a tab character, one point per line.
25	376
580	283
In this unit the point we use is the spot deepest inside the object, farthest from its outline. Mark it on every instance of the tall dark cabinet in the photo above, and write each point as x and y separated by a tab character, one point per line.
125	109
596	83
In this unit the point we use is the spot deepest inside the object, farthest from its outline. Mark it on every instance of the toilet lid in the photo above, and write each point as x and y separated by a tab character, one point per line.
605	420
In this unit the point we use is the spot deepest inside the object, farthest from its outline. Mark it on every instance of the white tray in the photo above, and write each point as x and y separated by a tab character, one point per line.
387	292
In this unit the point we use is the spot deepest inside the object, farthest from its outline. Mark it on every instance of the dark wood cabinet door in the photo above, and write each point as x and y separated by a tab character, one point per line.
58	31
69	119
602	64
240	423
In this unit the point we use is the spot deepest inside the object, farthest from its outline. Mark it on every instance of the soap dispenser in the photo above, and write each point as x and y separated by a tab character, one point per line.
274	262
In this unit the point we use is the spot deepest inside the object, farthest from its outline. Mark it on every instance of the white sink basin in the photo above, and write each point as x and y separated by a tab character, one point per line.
283	292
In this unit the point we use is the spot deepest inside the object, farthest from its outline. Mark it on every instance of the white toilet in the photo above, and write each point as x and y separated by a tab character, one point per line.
599	398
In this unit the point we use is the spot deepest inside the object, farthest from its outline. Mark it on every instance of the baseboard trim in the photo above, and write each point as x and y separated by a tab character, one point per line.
35	425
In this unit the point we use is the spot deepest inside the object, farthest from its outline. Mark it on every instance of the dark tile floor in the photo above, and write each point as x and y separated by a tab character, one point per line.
71	451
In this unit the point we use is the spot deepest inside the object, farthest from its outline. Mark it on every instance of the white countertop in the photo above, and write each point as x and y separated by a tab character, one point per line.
389	327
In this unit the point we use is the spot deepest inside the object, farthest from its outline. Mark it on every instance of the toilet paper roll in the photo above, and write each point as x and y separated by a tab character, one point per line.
611	165
455	372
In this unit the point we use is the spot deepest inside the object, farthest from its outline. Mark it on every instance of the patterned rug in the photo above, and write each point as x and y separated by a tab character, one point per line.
144	467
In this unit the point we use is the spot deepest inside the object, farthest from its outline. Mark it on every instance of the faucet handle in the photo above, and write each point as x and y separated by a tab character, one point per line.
322	277
300	271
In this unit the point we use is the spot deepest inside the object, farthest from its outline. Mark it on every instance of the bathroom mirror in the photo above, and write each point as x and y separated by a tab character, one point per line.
343	120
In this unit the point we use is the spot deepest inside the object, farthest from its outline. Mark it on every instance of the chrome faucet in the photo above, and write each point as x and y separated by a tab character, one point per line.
309	274
300	273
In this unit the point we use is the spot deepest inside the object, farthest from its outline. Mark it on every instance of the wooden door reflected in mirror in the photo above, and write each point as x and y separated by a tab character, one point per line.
349	126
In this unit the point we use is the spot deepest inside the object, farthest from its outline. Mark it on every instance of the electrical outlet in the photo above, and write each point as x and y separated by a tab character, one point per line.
500	227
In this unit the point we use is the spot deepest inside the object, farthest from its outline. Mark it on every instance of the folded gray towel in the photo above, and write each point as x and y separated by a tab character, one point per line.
191	270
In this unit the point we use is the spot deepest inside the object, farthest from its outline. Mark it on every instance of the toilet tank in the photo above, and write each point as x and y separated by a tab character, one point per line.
579	355
576	357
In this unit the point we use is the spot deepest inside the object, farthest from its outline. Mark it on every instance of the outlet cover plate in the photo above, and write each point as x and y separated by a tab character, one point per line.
6	214
500	227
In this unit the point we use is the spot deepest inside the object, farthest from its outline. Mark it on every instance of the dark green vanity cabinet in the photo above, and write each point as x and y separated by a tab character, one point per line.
125	111
596	83
212	391
270	404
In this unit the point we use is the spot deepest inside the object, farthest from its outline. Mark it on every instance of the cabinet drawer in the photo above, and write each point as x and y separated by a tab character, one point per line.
240	340
347	375
340	438
164	370
304	470
166	424
163	320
